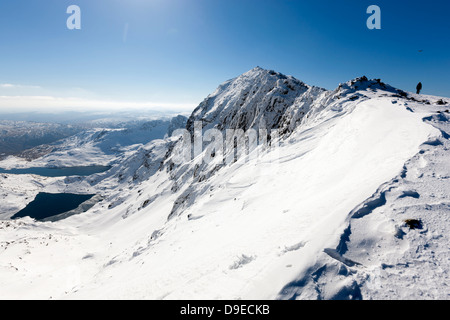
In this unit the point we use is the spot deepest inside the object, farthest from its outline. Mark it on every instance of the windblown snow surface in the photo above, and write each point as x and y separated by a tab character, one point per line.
319	213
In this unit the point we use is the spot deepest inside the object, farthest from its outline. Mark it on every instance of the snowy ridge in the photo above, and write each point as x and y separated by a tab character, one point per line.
318	213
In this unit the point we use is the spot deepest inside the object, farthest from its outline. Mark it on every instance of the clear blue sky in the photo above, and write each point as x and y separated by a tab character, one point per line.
175	52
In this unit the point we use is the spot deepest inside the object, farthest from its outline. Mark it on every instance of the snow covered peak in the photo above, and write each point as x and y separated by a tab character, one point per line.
256	69
257	98
259	73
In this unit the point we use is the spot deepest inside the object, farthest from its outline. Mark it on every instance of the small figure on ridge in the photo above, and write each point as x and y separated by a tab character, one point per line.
419	87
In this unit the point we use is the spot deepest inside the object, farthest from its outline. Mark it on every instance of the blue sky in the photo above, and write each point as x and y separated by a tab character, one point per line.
171	54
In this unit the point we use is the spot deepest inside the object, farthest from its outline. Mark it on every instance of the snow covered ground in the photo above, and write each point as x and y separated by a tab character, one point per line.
318	215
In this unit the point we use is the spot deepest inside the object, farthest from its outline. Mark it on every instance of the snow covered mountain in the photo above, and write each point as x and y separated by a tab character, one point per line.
17	136
258	98
98	146
344	196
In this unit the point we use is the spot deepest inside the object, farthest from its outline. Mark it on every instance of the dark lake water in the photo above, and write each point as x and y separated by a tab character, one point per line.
47	205
59	172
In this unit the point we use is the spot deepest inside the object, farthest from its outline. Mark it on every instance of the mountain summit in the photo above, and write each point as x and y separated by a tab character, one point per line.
258	98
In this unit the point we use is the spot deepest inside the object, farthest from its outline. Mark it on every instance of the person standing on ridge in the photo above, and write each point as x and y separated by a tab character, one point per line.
419	87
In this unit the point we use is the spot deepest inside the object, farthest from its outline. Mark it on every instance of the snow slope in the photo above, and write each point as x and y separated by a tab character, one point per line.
378	255
302	219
